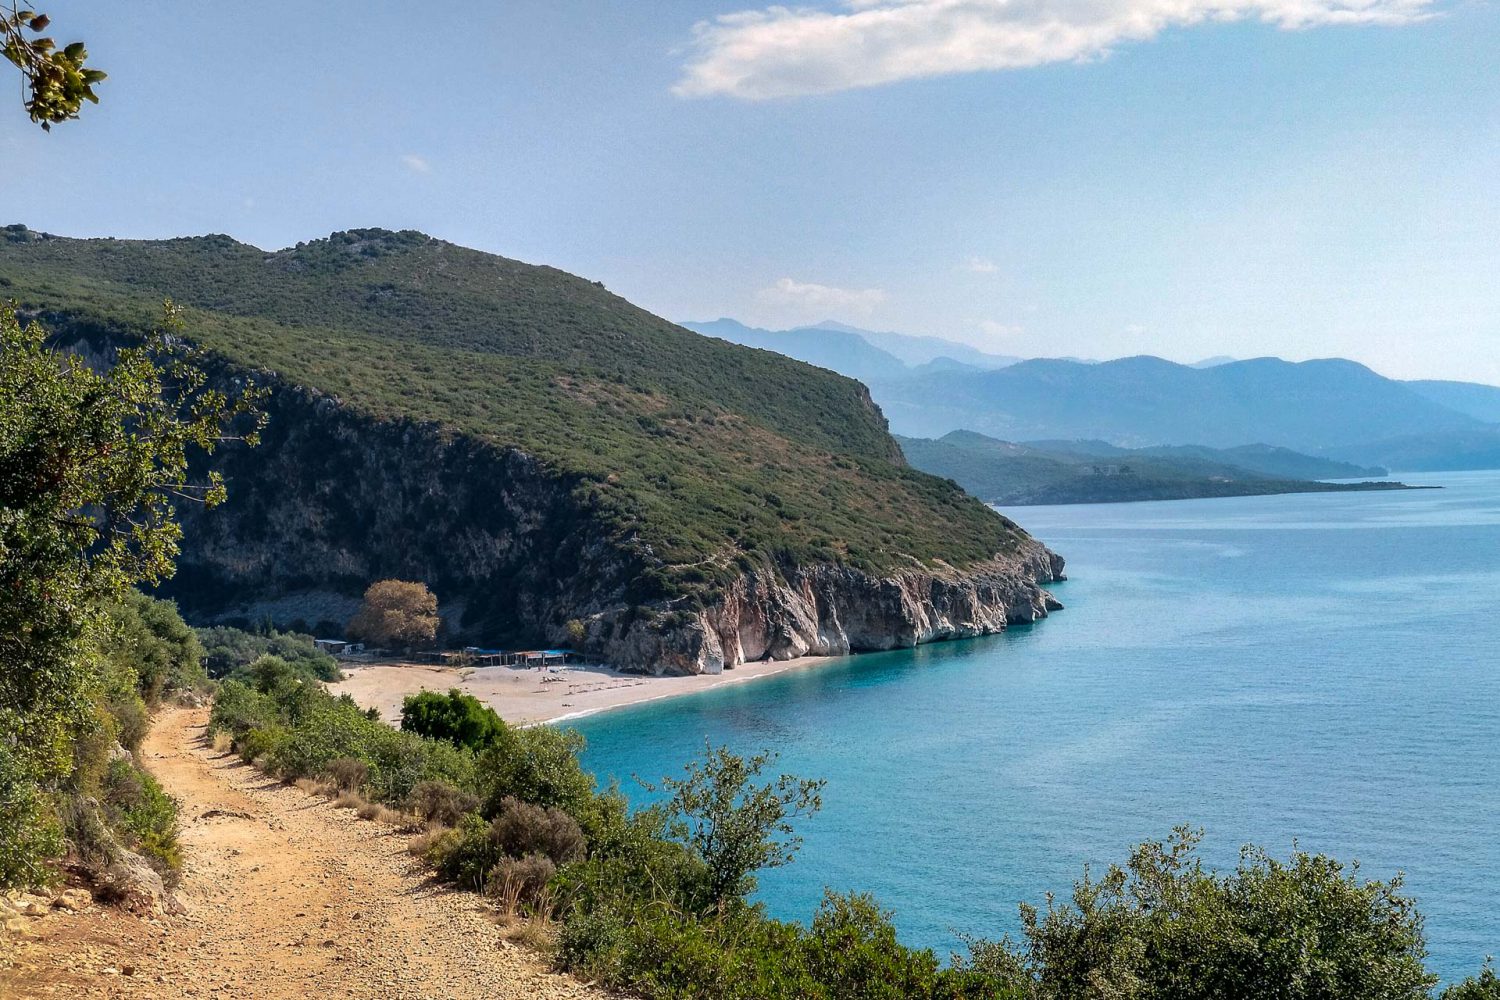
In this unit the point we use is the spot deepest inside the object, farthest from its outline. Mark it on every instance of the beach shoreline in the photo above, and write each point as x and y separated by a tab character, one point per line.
528	696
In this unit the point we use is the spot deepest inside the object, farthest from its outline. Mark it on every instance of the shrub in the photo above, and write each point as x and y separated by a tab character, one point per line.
30	834
262	743
136	805
133	722
456	717
519	881
1485	986
537	765
347	773
521	829
228	650
440	802
852	945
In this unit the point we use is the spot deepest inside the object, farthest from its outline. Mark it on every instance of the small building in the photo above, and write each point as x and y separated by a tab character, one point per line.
339	647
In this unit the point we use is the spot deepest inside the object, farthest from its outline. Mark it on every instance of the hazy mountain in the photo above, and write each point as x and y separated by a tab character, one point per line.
1436	451
919	350
1263	459
1479	401
1143	401
844	352
1213	362
1005	473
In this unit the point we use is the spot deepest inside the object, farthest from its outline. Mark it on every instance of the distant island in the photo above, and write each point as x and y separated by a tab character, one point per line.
1065	472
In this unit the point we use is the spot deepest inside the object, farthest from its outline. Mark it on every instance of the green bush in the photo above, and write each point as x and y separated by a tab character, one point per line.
1485	986
456	717
30	834
136	805
227	650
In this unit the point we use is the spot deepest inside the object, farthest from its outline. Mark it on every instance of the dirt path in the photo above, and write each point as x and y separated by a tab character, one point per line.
285	896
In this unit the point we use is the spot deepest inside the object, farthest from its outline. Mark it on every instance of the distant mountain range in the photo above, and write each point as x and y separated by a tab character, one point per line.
1055	472
1331	408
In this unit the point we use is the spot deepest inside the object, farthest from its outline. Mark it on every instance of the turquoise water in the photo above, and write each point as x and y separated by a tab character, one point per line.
1317	668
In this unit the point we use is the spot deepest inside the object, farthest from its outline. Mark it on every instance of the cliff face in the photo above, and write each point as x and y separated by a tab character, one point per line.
334	499
830	610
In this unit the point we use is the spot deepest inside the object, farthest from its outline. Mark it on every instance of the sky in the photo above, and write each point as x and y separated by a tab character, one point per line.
1096	178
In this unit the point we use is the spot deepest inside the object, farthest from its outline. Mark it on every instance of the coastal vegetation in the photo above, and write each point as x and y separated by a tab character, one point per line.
657	901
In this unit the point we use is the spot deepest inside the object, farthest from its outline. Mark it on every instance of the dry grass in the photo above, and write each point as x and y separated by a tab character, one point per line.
222	741
381	814
313	786
421	845
349	800
531	926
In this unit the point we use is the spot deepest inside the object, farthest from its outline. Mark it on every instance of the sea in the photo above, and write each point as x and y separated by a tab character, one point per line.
1317	672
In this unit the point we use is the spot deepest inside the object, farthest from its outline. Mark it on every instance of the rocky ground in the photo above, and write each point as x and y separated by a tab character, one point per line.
282	896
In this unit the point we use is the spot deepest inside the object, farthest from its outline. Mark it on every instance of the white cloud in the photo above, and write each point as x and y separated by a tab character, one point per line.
980	265
809	301
1000	332
416	164
789	51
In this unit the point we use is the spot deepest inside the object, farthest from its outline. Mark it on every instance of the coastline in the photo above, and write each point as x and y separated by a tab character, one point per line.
528	697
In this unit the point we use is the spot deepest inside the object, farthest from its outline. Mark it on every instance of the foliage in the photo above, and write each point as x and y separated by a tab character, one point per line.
136	805
456	717
396	613
1164	927
736	826
1485	986
56	81
90	465
521	828
227	649
537	765
148	638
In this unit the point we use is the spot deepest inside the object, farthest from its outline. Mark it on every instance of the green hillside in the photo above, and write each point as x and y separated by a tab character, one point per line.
1004	473
694	450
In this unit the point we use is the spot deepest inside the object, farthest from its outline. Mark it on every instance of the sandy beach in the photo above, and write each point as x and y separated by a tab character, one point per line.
528	696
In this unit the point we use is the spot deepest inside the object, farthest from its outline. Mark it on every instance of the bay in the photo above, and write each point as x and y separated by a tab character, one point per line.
1318	670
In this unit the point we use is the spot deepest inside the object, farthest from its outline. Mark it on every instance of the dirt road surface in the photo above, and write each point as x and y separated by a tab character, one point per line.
285	896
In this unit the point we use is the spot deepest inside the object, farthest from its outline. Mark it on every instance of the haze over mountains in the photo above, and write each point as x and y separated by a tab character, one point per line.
1329	407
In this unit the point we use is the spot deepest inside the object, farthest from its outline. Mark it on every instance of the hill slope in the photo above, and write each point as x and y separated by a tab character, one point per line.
1147	401
1479	401
1009	474
540	451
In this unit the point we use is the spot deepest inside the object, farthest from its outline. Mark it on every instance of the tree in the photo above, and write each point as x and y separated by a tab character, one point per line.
91	466
396	613
55	81
736	826
1163	927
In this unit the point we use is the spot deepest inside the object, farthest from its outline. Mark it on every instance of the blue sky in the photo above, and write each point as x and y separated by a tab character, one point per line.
1080	177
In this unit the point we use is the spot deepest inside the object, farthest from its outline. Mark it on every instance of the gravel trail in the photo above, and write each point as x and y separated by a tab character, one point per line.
284	896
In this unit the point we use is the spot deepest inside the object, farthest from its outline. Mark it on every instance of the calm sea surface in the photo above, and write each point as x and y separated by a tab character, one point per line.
1322	669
